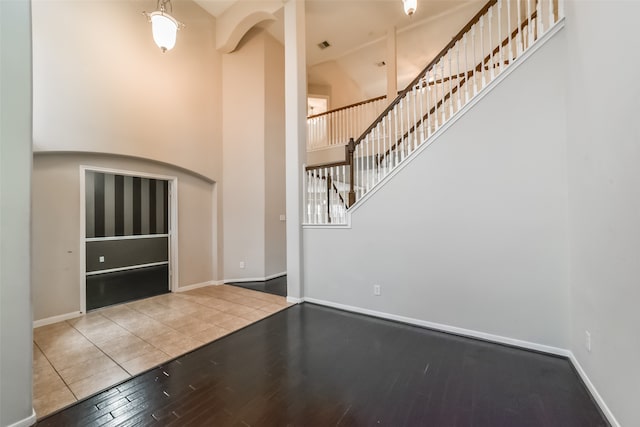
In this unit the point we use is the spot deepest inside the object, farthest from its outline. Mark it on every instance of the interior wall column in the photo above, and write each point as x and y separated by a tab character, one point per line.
296	136
392	65
16	319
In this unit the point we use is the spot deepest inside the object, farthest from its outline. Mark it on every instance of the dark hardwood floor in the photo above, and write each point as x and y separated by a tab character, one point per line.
315	366
277	286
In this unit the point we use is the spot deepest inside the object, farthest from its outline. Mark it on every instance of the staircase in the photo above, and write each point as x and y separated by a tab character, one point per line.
491	42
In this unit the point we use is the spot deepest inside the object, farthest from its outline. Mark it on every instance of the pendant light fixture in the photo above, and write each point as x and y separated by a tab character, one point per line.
164	26
410	6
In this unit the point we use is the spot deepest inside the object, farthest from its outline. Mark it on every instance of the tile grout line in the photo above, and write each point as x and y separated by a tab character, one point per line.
56	370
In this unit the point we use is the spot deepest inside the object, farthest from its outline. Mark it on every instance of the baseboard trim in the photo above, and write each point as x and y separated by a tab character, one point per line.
56	319
294	300
198	285
594	392
26	422
445	328
256	279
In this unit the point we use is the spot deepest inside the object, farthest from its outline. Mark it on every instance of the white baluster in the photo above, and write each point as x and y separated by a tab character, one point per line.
560	9
415	118
482	73
473	41
449	54
428	90
500	50
539	23
491	59
384	146
509	32
327	195
466	69
422	83
552	19
529	25
519	38
458	78
394	146
442	106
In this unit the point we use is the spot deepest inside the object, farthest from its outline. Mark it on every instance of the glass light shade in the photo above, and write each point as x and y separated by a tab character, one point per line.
164	29
410	6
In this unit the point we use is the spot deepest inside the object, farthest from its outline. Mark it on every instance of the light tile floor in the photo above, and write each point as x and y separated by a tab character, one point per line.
79	357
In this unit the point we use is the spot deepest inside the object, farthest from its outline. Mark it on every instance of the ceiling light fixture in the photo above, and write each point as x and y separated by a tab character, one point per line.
410	6
164	26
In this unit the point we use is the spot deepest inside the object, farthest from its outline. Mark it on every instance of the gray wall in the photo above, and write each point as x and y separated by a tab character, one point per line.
604	203
253	147
472	233
56	226
15	178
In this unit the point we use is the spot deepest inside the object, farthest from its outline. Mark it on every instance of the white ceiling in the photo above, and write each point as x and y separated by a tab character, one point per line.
356	30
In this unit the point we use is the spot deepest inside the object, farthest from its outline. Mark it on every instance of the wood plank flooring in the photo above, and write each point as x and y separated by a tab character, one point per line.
315	366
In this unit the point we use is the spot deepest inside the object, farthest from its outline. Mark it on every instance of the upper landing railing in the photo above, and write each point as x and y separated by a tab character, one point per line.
335	127
483	49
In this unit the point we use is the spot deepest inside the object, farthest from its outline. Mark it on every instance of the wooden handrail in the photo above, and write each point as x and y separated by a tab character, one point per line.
357	104
415	81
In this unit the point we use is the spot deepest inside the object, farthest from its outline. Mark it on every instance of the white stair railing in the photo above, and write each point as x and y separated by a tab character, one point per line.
335	127
496	37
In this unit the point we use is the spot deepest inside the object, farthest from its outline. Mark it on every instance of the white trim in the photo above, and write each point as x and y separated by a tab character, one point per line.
198	285
444	328
129	267
83	239
133	237
594	392
295	300
56	319
26	422
173	225
255	279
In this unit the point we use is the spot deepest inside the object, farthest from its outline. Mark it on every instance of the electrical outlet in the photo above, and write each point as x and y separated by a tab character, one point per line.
101	259
376	290
242	264
587	340
283	217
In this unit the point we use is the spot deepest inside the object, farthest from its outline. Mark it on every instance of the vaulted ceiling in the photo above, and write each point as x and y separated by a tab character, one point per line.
356	31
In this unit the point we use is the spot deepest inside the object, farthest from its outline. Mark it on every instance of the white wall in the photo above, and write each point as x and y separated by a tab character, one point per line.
243	150
56	226
343	89
473	232
253	150
604	206
275	199
105	89
15	176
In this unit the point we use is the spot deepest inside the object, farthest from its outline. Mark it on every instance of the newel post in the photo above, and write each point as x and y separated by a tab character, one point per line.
350	150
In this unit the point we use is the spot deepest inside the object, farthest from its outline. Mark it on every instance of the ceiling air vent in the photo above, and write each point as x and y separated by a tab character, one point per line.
323	45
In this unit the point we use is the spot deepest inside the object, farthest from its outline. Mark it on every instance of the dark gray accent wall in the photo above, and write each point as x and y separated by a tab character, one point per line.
118	205
126	252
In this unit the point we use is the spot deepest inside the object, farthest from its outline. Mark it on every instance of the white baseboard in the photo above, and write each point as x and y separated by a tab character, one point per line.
198	285
294	300
445	328
26	422
56	319
256	279
594	392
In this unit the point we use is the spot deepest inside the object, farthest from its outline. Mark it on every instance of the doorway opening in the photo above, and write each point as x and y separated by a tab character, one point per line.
127	238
